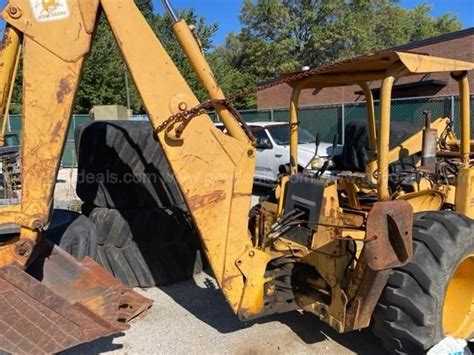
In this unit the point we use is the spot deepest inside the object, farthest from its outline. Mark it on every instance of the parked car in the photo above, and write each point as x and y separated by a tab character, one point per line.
273	150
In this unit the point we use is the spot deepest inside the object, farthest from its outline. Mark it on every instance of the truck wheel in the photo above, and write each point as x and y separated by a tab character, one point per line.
74	233
147	247
120	165
432	296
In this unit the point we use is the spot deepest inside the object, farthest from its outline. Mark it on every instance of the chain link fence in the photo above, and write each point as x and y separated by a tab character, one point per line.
69	158
327	120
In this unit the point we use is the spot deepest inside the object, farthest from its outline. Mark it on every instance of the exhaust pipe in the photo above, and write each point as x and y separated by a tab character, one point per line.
430	137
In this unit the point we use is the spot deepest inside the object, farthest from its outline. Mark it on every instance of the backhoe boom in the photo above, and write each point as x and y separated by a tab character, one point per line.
213	170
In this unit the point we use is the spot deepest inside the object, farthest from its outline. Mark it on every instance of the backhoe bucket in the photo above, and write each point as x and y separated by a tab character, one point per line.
61	302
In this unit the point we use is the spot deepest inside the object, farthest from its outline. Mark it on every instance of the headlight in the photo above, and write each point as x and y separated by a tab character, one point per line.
317	163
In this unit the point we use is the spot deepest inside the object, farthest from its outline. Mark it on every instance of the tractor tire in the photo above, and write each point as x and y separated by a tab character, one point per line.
74	233
409	315
147	247
122	166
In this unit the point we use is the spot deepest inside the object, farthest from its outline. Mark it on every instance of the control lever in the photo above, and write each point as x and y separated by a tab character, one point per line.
333	153
316	148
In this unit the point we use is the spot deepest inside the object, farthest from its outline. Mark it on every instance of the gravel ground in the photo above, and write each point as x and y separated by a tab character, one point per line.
192	317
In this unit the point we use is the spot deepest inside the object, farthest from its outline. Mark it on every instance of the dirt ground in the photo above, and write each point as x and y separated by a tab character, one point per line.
192	317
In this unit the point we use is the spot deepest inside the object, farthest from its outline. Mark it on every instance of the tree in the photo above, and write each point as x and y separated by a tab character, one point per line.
146	8
103	80
284	35
104	75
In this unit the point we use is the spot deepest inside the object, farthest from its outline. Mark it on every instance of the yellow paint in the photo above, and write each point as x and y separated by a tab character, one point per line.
369	99
425	200
465	120
384	137
410	146
201	67
465	192
295	96
281	193
458	307
214	171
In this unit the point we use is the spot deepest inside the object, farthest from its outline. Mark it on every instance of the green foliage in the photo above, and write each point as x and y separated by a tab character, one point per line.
284	35
276	36
146	7
103	81
16	103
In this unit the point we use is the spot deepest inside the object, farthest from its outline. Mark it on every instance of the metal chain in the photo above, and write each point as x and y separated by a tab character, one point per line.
187	115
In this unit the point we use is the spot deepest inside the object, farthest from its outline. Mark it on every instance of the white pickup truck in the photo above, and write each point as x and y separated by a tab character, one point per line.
273	150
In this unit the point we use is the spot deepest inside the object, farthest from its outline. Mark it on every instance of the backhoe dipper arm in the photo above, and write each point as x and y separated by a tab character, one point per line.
214	170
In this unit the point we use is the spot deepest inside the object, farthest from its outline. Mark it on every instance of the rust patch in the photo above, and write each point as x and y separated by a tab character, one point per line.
56	130
75	302
199	201
64	90
5	41
389	225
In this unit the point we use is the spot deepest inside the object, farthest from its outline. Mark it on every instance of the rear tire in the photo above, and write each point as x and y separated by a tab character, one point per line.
409	316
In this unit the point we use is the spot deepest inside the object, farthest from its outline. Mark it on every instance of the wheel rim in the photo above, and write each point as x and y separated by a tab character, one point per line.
458	308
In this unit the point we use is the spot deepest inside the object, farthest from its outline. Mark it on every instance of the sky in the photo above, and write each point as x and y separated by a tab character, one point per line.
223	12
226	12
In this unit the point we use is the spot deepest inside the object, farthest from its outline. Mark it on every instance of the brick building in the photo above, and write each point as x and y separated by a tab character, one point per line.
456	45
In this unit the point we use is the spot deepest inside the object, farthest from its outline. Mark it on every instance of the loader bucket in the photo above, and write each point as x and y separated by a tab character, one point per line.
60	302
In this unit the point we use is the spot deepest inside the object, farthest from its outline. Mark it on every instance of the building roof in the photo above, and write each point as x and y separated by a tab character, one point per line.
433	40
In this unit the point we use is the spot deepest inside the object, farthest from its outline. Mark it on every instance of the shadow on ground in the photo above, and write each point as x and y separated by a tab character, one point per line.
205	301
99	346
208	304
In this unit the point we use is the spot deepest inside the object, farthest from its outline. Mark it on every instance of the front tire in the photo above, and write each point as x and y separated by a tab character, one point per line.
432	296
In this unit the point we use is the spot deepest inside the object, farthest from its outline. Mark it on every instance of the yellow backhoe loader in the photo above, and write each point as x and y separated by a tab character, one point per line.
348	246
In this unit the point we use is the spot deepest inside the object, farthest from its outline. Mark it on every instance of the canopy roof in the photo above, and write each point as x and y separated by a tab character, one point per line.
376	67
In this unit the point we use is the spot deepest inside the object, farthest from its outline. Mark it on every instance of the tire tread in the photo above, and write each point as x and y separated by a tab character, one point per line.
407	318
